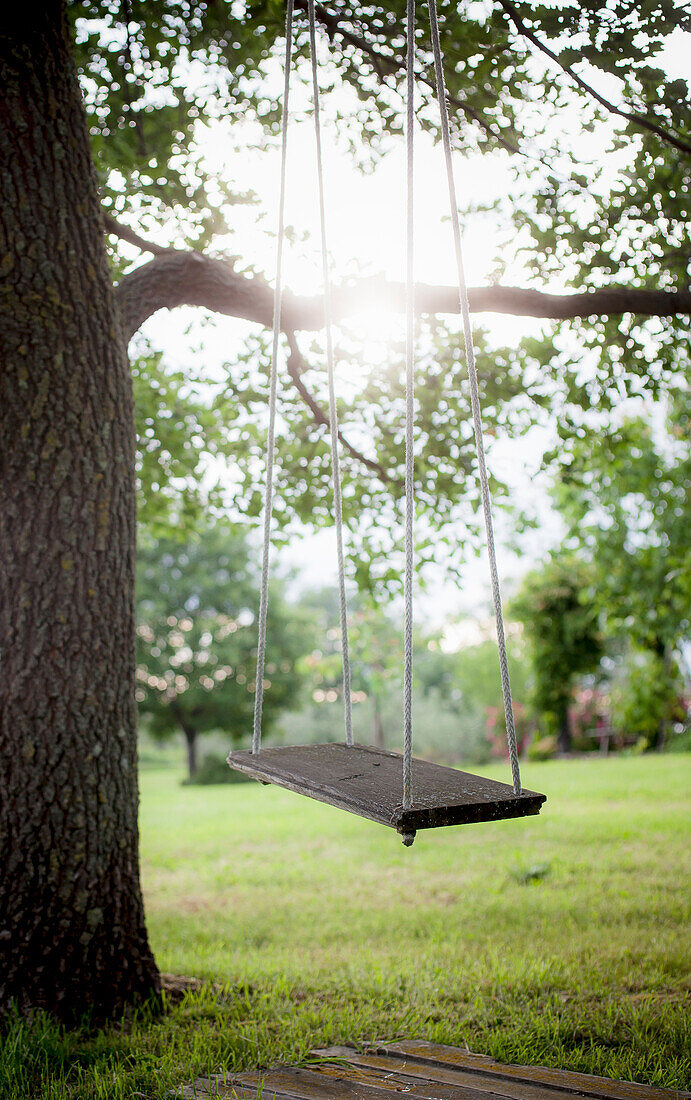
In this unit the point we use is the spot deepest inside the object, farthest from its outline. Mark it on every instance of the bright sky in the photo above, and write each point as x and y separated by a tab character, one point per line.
365	227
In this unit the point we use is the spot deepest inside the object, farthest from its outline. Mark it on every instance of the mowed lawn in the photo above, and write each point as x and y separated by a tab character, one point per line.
561	939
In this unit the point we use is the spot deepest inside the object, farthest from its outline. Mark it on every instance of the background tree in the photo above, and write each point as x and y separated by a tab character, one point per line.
181	433
457	692
646	698
561	621
376	659
75	935
476	690
377	664
623	492
197	640
471	677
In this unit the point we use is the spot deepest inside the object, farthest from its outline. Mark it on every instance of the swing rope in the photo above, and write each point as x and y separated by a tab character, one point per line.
271	444
333	410
409	399
475	400
409	416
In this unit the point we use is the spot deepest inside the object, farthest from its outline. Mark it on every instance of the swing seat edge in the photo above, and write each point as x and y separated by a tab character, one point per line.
367	782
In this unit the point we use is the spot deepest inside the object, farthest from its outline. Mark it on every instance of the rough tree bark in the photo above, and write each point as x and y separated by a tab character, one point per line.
72	932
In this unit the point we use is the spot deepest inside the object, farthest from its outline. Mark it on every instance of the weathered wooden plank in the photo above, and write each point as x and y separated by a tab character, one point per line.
482	1085
566	1079
422	1070
438	1061
389	1080
368	781
340	1083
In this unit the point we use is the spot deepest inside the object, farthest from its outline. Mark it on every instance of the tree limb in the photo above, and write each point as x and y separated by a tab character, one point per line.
296	367
179	278
126	234
632	116
176	278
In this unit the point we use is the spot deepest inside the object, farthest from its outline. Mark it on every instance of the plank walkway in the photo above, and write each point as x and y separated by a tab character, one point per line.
424	1071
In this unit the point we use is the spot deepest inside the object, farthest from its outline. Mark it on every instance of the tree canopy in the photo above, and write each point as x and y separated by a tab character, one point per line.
623	492
598	209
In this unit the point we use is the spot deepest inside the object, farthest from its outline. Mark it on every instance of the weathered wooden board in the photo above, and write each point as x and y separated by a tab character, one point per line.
481	1085
432	1061
568	1080
424	1071
389	1079
368	782
330	1082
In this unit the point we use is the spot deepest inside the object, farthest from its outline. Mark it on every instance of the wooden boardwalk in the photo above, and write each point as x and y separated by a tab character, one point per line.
424	1071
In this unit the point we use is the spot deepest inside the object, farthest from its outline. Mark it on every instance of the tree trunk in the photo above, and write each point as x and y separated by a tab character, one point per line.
191	742
72	932
564	732
377	726
663	654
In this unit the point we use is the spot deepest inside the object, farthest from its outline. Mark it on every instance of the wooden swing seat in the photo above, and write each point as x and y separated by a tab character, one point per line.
367	781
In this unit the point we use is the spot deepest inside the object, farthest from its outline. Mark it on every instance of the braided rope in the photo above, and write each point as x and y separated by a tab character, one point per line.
409	416
333	410
271	444
475	401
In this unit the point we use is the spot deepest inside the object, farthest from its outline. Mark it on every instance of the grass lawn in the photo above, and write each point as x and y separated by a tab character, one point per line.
562	939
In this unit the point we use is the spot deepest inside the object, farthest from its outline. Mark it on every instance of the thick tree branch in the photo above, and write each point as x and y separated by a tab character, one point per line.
632	116
189	278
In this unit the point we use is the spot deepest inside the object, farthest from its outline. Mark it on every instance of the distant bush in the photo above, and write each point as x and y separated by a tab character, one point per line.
542	749
647	698
679	740
439	732
213	769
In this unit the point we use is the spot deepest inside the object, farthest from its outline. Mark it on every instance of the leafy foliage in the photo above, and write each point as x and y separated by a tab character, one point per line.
158	77
624	495
372	418
196	639
561	621
623	492
376	659
152	73
181	432
457	699
647	697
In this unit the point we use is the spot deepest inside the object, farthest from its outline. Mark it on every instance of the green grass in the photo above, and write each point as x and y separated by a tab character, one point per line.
562	939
